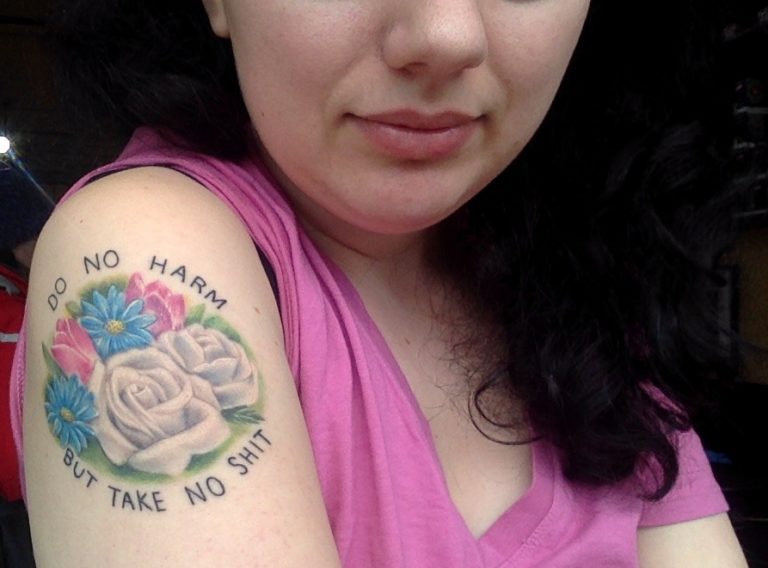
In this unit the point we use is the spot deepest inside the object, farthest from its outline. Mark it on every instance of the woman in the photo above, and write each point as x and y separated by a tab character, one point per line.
441	351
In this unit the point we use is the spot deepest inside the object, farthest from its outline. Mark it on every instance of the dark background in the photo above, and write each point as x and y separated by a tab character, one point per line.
55	148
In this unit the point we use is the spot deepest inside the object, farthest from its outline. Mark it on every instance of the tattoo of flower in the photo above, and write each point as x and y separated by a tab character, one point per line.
70	408
113	325
138	384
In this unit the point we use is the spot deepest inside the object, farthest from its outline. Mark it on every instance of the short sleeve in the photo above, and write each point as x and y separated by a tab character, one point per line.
695	494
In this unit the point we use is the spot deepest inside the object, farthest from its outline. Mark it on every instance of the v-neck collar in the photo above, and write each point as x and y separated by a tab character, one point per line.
514	526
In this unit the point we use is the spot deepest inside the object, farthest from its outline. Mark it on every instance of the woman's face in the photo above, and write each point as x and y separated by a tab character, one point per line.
388	115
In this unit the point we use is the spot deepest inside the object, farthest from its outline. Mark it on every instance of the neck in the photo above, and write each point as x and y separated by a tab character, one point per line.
393	262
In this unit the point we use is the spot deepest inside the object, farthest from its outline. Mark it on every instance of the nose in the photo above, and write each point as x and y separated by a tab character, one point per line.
436	38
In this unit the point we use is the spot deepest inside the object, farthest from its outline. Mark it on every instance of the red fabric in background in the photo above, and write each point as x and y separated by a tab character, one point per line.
11	317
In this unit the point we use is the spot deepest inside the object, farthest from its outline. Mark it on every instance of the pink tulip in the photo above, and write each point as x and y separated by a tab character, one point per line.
73	349
167	307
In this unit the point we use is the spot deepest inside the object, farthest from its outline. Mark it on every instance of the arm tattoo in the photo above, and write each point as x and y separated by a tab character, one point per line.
147	386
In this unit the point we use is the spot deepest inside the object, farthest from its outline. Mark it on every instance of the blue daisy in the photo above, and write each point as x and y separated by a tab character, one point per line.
113	325
70	407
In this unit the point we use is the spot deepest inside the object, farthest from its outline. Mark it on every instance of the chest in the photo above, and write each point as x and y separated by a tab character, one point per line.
484	477
407	478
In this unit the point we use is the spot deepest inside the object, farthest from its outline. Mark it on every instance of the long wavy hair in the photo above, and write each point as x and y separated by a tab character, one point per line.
595	250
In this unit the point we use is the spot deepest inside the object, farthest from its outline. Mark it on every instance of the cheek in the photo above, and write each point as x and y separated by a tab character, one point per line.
532	55
534	42
293	51
291	56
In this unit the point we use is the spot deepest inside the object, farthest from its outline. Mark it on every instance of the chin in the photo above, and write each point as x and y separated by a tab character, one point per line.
400	223
411	203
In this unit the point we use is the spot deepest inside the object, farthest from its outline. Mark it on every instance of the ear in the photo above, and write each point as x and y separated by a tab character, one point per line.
217	16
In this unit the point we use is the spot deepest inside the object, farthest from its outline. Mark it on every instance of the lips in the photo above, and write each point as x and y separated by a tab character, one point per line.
411	135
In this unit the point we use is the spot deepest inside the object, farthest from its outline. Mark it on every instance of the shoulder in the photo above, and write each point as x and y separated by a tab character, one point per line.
151	219
157	383
140	196
695	493
706	542
690	525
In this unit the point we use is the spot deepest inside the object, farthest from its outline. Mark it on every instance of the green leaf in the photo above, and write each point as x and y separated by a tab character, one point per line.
195	315
261	403
50	362
242	415
119	281
219	323
74	309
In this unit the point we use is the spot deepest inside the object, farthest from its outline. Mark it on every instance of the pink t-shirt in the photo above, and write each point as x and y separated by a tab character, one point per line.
382	482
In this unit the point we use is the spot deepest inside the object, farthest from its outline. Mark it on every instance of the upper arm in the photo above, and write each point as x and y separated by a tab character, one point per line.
707	542
161	422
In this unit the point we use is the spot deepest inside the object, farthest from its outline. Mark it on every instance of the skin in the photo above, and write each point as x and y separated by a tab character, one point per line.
74	524
311	74
306	85
339	60
310	71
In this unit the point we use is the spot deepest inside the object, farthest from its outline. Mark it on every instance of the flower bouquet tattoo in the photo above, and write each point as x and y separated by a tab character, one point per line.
144	388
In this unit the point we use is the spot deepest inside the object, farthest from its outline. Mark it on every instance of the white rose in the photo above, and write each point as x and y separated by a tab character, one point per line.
153	415
210	354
